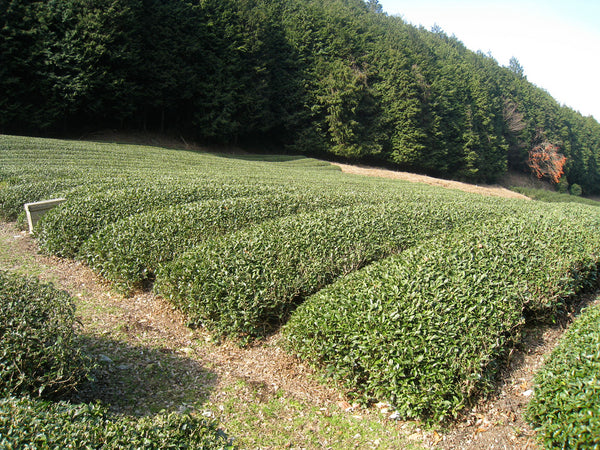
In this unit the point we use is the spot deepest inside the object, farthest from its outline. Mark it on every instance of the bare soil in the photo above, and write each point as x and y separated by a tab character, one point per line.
489	190
133	336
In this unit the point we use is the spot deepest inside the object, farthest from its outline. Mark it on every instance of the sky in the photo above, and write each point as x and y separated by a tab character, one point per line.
557	42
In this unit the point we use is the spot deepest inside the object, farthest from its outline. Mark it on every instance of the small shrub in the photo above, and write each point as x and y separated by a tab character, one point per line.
576	190
26	423
37	352
565	405
563	185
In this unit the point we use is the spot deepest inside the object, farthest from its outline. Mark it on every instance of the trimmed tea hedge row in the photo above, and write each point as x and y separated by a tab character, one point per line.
129	251
13	197
65	228
247	282
567	243
36	169
27	159
565	407
31	189
37	355
426	329
26	423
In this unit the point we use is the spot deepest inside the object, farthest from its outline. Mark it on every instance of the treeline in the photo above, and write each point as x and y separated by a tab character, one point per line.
322	77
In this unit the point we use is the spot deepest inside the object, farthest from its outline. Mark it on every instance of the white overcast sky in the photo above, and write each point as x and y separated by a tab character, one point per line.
557	42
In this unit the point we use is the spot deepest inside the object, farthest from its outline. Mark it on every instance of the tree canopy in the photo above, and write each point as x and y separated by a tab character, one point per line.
336	77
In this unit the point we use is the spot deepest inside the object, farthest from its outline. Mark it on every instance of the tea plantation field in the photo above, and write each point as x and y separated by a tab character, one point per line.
401	292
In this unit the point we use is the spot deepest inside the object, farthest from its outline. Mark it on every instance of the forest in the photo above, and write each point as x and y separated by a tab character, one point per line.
333	78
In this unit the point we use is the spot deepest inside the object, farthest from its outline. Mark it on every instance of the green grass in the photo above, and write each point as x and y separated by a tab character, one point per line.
275	420
144	378
553	197
21	262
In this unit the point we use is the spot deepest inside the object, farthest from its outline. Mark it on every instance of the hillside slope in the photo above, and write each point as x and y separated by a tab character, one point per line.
335	77
489	190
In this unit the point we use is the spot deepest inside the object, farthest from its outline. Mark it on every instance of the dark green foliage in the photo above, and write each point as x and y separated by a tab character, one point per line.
64	229
426	329
246	283
20	56
338	78
563	185
564	408
65	62
575	190
26	423
37	351
129	251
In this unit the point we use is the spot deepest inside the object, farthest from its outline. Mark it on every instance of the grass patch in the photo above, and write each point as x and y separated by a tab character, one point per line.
260	417
21	262
544	195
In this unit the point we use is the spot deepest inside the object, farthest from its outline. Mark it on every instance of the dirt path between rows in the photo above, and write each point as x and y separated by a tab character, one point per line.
492	191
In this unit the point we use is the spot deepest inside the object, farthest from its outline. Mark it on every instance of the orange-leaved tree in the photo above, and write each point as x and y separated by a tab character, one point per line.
545	161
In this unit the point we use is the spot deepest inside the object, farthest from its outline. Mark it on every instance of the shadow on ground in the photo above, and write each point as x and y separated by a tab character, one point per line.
141	381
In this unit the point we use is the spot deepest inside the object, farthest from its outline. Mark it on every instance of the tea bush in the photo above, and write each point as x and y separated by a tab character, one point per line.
129	251
65	228
560	258
426	329
566	401
247	282
419	329
14	197
27	423
37	351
